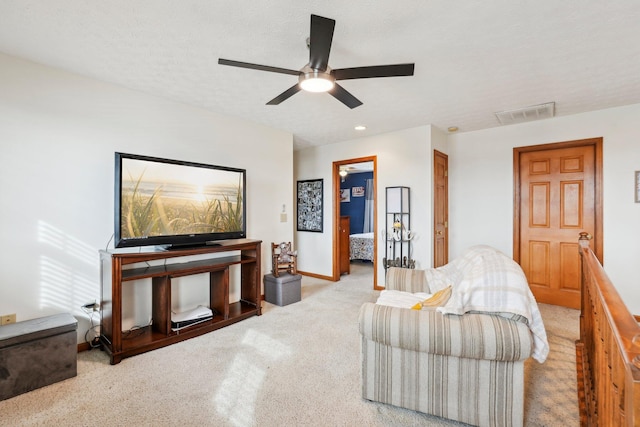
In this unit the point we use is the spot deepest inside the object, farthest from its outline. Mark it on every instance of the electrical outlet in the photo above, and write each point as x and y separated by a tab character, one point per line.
92	306
8	318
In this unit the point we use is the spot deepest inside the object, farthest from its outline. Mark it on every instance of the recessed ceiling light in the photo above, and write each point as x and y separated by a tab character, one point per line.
452	128
360	127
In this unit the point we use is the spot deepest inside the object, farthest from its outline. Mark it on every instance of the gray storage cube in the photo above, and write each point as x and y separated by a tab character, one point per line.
282	290
38	352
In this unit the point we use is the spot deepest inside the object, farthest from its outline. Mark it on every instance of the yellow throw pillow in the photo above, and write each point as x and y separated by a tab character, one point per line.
438	299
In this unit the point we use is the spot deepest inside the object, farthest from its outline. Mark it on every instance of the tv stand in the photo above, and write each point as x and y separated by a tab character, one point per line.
159	333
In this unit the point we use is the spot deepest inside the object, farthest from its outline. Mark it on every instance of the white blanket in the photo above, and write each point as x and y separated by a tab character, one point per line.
486	280
401	299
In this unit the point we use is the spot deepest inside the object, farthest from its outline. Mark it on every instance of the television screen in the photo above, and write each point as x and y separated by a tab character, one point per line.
176	203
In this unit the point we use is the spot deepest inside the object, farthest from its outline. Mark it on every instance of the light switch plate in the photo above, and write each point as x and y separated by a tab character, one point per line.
7	319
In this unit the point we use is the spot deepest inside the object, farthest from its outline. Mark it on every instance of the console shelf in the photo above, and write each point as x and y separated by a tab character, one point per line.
121	344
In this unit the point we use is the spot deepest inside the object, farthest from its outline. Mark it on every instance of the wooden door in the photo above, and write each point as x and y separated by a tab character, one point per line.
440	209
557	200
345	256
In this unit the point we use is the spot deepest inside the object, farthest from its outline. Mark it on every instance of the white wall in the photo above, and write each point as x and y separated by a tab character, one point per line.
481	186
403	159
58	133
439	141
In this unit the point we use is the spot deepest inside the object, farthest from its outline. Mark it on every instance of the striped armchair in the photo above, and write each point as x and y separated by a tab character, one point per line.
467	368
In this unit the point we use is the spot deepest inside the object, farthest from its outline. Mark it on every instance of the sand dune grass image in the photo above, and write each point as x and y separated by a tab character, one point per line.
163	208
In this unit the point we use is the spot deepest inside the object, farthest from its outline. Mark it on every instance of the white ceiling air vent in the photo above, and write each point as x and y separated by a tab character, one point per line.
527	114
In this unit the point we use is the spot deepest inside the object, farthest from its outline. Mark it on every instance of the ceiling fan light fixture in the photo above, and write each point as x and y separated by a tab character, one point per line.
343	172
316	81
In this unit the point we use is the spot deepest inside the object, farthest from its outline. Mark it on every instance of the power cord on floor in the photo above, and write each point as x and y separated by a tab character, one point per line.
92	336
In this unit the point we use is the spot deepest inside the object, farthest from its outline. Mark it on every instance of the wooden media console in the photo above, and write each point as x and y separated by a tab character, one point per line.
246	253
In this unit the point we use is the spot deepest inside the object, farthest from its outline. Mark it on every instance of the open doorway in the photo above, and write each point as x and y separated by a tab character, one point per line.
355	216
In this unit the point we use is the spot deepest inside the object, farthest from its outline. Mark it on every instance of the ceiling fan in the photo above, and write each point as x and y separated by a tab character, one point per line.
317	76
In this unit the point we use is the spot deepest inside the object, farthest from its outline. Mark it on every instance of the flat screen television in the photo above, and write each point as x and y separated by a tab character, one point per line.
176	204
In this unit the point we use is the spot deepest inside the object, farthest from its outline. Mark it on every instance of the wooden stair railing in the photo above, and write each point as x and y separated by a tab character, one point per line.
608	352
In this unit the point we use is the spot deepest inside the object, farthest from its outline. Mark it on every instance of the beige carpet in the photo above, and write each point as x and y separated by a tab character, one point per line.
297	365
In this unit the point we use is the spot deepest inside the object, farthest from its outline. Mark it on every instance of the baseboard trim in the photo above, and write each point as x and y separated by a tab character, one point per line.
316	276
85	346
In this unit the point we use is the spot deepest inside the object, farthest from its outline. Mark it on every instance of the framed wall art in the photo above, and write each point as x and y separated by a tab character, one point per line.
310	205
357	191
345	195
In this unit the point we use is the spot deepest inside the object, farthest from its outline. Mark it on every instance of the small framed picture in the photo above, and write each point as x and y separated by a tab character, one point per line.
344	195
637	186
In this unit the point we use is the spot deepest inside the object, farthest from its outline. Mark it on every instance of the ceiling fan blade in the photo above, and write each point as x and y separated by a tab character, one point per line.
341	94
285	95
396	70
257	67
320	42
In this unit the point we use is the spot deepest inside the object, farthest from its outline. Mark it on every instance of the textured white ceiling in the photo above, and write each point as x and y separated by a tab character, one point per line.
472	58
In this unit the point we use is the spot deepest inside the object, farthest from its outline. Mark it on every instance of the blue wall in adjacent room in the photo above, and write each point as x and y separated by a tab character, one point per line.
355	207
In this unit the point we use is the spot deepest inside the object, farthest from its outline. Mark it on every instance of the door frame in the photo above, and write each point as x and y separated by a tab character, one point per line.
336	215
598	248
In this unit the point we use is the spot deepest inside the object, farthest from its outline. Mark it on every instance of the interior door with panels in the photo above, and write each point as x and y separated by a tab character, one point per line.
558	200
440	209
